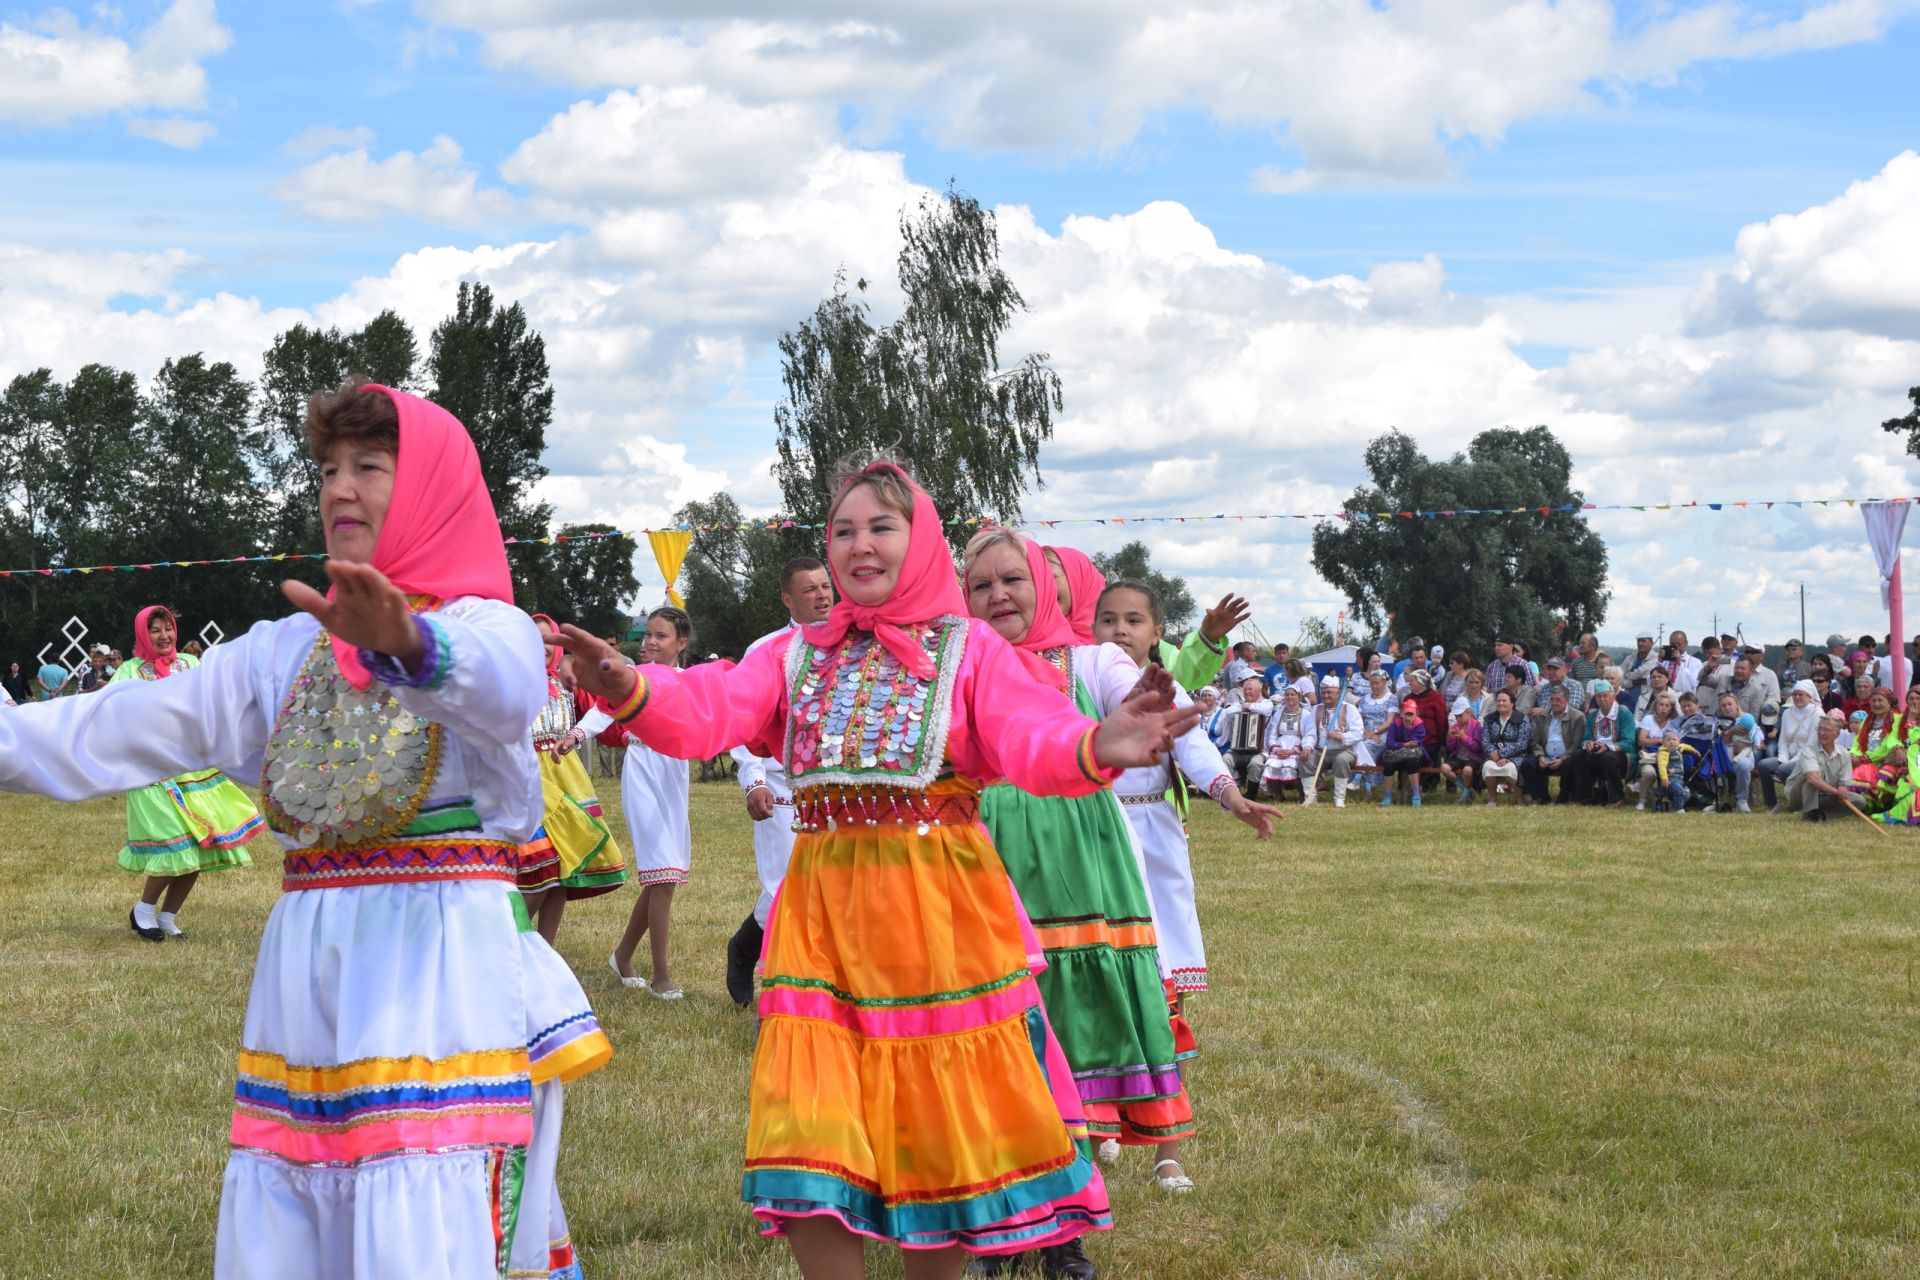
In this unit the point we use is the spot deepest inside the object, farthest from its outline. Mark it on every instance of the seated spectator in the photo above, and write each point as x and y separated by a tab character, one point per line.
1695	723
1584	666
1286	743
1880	721
1416	660
1862	689
1463	754
1332	734
1475	692
1454	682
1638	666
1364	661
1505	736
1506	649
1432	707
1651	730
1249	730
1825	691
1740	733
1670	762
1599	770
1756	656
1556	737
96	673
1818	785
1556	678
1798	722
1751	686
1403	752
1215	719
1377	707
1514	682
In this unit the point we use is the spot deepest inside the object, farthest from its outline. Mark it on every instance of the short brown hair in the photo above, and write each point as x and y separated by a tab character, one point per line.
890	481
351	412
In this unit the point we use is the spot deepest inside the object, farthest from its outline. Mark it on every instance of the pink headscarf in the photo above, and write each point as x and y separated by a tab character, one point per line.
1049	628
143	643
926	588
1084	585
441	537
554	651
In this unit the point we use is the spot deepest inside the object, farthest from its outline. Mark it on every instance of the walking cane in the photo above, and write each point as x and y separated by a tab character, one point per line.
1877	826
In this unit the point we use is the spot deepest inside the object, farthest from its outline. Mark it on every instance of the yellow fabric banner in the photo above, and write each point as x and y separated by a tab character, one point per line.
669	551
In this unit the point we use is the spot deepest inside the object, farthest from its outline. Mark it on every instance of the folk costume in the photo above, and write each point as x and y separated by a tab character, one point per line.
905	1082
1083	881
398	1023
1084	585
198	821
573	848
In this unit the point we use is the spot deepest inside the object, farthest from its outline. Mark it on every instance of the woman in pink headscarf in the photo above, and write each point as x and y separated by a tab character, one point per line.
396	1107
178	828
901	1087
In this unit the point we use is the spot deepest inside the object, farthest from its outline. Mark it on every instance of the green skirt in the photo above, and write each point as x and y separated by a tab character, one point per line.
1072	862
195	822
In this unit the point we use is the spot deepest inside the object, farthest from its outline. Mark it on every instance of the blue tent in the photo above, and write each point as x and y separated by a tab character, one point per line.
1335	662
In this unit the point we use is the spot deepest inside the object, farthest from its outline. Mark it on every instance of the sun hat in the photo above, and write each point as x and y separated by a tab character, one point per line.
1330	682
1460	707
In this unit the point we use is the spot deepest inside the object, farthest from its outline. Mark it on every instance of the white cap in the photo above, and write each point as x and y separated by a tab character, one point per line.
1330	682
1461	706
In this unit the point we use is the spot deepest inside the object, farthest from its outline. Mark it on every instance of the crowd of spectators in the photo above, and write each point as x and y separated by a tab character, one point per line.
1667	727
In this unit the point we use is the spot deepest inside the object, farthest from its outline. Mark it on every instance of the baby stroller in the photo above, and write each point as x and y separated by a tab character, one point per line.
1704	768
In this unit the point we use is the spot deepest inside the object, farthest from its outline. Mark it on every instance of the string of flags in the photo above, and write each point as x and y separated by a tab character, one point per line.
638	535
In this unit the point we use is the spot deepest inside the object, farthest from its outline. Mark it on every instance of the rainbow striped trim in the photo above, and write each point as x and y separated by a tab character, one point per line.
1089	766
376	1107
634	703
426	862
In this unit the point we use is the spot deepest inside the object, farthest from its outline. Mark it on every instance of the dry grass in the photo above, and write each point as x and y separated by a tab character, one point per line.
1440	1044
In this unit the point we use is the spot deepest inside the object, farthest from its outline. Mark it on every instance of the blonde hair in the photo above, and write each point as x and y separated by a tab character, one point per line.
879	471
987	539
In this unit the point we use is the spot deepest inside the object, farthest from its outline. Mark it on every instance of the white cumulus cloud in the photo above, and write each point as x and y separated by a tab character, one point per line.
54	69
435	185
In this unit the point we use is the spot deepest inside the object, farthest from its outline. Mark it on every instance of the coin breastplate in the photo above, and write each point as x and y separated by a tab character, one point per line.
345	766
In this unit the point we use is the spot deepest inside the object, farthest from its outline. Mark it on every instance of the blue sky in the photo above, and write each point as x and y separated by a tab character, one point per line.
1543	225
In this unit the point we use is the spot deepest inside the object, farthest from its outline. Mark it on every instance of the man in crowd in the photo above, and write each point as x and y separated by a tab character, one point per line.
1513	678
1796	667
1249	732
48	679
96	673
1557	734
1837	652
1330	738
1556	678
806	591
1276	672
1756	655
1748	687
1583	669
1716	668
1503	653
1819	784
1686	675
1636	670
1242	664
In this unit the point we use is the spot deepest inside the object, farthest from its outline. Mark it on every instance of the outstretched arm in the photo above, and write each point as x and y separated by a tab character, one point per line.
690	714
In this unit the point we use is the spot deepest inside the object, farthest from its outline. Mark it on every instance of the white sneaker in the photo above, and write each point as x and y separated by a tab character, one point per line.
1109	1151
1339	802
1742	807
1642	805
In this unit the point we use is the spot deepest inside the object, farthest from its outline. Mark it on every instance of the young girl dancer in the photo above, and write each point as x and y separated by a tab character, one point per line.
199	821
397	1025
1080	877
655	791
1129	617
573	854
901	1086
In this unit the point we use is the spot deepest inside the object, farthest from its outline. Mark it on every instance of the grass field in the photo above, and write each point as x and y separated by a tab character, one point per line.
1443	1043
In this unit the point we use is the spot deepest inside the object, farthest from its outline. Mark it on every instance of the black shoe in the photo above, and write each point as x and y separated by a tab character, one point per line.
151	935
997	1264
743	950
1814	815
1068	1261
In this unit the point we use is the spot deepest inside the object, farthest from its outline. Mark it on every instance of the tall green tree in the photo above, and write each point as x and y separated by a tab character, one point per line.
1132	561
929	386
1908	423
1464	577
30	443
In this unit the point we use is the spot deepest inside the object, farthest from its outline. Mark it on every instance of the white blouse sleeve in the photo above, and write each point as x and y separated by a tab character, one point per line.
495	672
134	733
1195	753
1109	674
594	723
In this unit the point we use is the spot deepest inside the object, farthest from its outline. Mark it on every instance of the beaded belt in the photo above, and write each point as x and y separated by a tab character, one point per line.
427	863
822	808
1158	797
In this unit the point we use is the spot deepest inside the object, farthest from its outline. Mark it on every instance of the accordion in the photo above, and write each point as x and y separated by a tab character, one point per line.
1249	729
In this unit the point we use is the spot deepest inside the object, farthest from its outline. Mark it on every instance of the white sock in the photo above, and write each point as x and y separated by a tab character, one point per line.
143	915
168	925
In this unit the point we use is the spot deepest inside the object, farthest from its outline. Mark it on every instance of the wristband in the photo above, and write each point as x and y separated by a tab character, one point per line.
1221	786
436	659
634	703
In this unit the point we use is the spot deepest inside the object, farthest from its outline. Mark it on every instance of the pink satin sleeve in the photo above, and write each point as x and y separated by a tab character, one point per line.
1009	725
715	707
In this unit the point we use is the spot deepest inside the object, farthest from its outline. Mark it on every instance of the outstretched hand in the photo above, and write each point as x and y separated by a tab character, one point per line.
1260	817
1140	731
1220	620
366	611
598	667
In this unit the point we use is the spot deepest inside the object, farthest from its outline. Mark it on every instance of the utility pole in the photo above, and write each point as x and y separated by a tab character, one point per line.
1803	613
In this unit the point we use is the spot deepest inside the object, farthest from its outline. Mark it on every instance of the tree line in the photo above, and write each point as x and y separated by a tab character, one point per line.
200	463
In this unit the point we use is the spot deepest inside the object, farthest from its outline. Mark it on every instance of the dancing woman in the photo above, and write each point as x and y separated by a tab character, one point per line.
397	1026
573	853
1075	865
655	792
199	821
902	1087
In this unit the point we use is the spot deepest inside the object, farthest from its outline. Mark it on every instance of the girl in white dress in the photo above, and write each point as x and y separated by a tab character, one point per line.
654	790
1129	617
